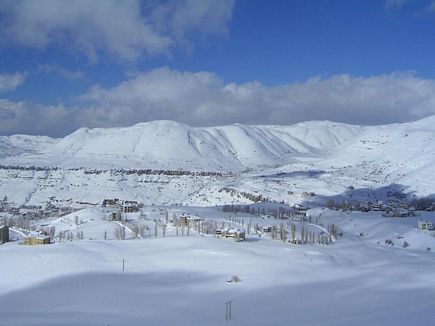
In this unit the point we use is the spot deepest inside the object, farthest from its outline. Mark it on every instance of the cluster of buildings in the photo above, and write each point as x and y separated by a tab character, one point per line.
236	234
29	240
392	208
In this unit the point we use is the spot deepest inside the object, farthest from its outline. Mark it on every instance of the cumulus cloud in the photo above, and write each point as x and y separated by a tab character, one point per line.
9	82
126	29
203	98
30	118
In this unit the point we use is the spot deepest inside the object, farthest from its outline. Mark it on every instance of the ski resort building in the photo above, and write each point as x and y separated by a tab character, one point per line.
33	241
4	234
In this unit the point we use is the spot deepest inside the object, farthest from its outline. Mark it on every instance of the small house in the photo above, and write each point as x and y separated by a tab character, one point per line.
185	219
425	225
377	207
267	228
236	234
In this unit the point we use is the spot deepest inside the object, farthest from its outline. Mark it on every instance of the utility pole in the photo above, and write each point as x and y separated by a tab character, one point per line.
228	310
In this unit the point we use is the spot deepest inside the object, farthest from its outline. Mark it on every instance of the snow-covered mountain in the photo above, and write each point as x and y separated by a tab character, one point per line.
19	144
172	145
325	157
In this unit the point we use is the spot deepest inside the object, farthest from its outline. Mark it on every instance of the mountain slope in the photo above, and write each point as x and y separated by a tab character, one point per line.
278	162
20	144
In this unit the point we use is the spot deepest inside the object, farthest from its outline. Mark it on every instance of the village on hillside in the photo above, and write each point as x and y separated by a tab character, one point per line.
123	219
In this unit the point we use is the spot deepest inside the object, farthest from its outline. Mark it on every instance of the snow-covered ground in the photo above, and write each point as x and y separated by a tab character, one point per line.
182	280
379	272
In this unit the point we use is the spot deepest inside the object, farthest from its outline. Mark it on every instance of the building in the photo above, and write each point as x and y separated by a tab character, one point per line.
425	225
129	206
267	228
4	234
115	216
111	203
184	219
236	234
39	240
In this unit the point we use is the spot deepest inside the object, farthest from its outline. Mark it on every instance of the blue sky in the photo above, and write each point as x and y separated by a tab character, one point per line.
72	64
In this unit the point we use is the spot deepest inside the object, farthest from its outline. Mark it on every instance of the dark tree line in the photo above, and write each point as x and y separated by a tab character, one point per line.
277	212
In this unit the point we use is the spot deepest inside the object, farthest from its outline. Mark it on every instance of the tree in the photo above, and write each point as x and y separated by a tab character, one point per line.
52	231
76	220
135	230
105	235
293	231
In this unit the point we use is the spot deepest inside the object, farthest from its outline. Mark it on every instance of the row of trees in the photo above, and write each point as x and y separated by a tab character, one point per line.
158	172
120	171
252	197
277	212
69	235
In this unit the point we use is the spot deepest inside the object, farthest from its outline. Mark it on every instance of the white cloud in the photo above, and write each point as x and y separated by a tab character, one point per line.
9	82
394	4
126	29
61	71
205	99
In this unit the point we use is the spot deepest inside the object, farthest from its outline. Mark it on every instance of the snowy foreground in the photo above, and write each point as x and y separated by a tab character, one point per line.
358	280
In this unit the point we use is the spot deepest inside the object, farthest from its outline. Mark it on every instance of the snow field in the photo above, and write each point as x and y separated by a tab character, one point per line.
183	280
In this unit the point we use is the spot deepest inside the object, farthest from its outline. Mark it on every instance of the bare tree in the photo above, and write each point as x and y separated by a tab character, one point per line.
122	233
135	230
293	231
